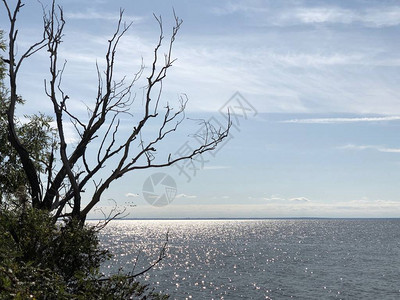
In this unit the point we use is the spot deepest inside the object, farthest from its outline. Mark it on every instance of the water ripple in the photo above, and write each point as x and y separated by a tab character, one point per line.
262	259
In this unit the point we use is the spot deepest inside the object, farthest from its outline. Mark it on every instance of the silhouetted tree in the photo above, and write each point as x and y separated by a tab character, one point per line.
42	177
58	186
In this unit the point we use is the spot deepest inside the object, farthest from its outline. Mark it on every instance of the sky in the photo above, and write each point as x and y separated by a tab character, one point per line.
312	86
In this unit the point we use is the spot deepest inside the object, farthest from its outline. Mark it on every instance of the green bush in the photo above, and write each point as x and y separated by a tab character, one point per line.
40	259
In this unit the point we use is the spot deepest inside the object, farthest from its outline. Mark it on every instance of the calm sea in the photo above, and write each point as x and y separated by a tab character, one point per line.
262	259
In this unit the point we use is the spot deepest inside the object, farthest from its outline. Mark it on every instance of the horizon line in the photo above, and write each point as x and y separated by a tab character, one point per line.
244	218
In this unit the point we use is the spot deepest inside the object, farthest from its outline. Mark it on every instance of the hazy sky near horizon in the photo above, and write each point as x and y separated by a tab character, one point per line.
319	79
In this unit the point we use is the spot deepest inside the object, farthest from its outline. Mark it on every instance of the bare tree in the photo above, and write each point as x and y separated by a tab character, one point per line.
69	171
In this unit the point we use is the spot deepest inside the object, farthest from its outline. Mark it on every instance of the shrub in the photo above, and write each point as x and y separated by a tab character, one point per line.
41	259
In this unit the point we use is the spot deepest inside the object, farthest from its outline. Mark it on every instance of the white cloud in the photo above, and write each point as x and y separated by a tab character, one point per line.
389	150
131	195
250	7
280	199
185	196
278	71
316	59
372	17
299	200
71	136
287	15
370	147
289	78
382	17
325	15
342	120
273	198
94	15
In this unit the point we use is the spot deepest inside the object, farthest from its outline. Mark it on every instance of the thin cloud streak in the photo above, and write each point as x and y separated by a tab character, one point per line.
373	17
370	147
185	196
342	120
287	15
280	199
278	79
131	195
93	15
299	200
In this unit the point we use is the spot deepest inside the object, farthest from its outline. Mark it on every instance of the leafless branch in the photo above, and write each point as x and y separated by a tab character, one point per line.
113	214
162	254
71	168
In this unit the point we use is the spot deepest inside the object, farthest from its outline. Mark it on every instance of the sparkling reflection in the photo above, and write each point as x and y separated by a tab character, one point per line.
261	259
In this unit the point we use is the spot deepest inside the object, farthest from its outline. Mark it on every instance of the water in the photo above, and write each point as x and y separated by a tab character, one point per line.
262	259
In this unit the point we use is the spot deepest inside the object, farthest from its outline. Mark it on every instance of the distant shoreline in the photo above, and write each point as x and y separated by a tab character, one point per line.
249	219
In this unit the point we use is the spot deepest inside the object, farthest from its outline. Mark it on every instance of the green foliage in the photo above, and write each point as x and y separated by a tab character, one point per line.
27	239
38	137
40	259
2	48
35	133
